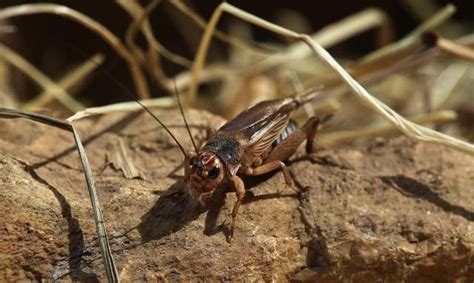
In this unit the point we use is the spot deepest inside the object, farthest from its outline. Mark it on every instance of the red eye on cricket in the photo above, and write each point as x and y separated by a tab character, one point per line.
214	172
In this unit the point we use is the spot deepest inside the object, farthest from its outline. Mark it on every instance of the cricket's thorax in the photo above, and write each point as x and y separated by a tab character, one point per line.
227	149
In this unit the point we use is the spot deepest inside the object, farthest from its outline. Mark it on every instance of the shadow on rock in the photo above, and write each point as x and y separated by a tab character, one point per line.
416	189
176	208
75	236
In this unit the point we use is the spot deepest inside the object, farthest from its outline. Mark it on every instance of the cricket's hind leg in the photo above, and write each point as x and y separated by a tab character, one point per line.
284	148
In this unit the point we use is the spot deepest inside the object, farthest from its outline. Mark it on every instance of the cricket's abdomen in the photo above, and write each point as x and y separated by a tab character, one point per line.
288	130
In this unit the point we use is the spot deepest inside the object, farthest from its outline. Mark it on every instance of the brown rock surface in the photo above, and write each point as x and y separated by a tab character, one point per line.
399	210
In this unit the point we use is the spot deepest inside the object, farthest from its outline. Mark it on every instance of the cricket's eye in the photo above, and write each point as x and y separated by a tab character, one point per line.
196	164
214	172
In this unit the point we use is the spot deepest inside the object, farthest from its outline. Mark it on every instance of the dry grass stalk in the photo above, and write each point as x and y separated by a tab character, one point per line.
140	16
152	57
422	10
96	27
335	33
449	47
328	36
235	42
46	83
375	71
348	136
408	44
445	84
163	102
71	79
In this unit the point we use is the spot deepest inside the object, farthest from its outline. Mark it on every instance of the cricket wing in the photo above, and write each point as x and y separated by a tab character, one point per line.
254	122
257	127
263	139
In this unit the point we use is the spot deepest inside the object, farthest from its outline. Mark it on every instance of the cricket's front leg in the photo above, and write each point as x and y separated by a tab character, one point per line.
229	224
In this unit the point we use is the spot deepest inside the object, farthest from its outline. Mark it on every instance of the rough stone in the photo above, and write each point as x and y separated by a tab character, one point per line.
401	211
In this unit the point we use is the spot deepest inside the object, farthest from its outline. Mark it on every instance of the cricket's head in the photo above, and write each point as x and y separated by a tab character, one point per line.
205	172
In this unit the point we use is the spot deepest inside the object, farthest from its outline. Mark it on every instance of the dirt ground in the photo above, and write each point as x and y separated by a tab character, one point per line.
399	210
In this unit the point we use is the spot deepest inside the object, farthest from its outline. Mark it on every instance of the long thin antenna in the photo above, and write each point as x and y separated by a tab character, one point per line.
184	117
164	126
129	93
132	95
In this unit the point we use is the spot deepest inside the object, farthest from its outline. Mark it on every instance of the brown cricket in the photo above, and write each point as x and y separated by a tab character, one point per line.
255	142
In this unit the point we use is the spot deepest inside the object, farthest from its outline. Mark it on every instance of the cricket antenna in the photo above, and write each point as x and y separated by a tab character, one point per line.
164	126
184	117
132	96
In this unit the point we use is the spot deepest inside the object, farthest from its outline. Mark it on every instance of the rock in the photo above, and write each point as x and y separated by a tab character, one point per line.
401	211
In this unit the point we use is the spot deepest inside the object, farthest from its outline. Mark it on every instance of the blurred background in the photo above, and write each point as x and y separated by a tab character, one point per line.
58	46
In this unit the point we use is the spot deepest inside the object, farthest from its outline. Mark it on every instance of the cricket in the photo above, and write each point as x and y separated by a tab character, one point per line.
255	142
320	151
